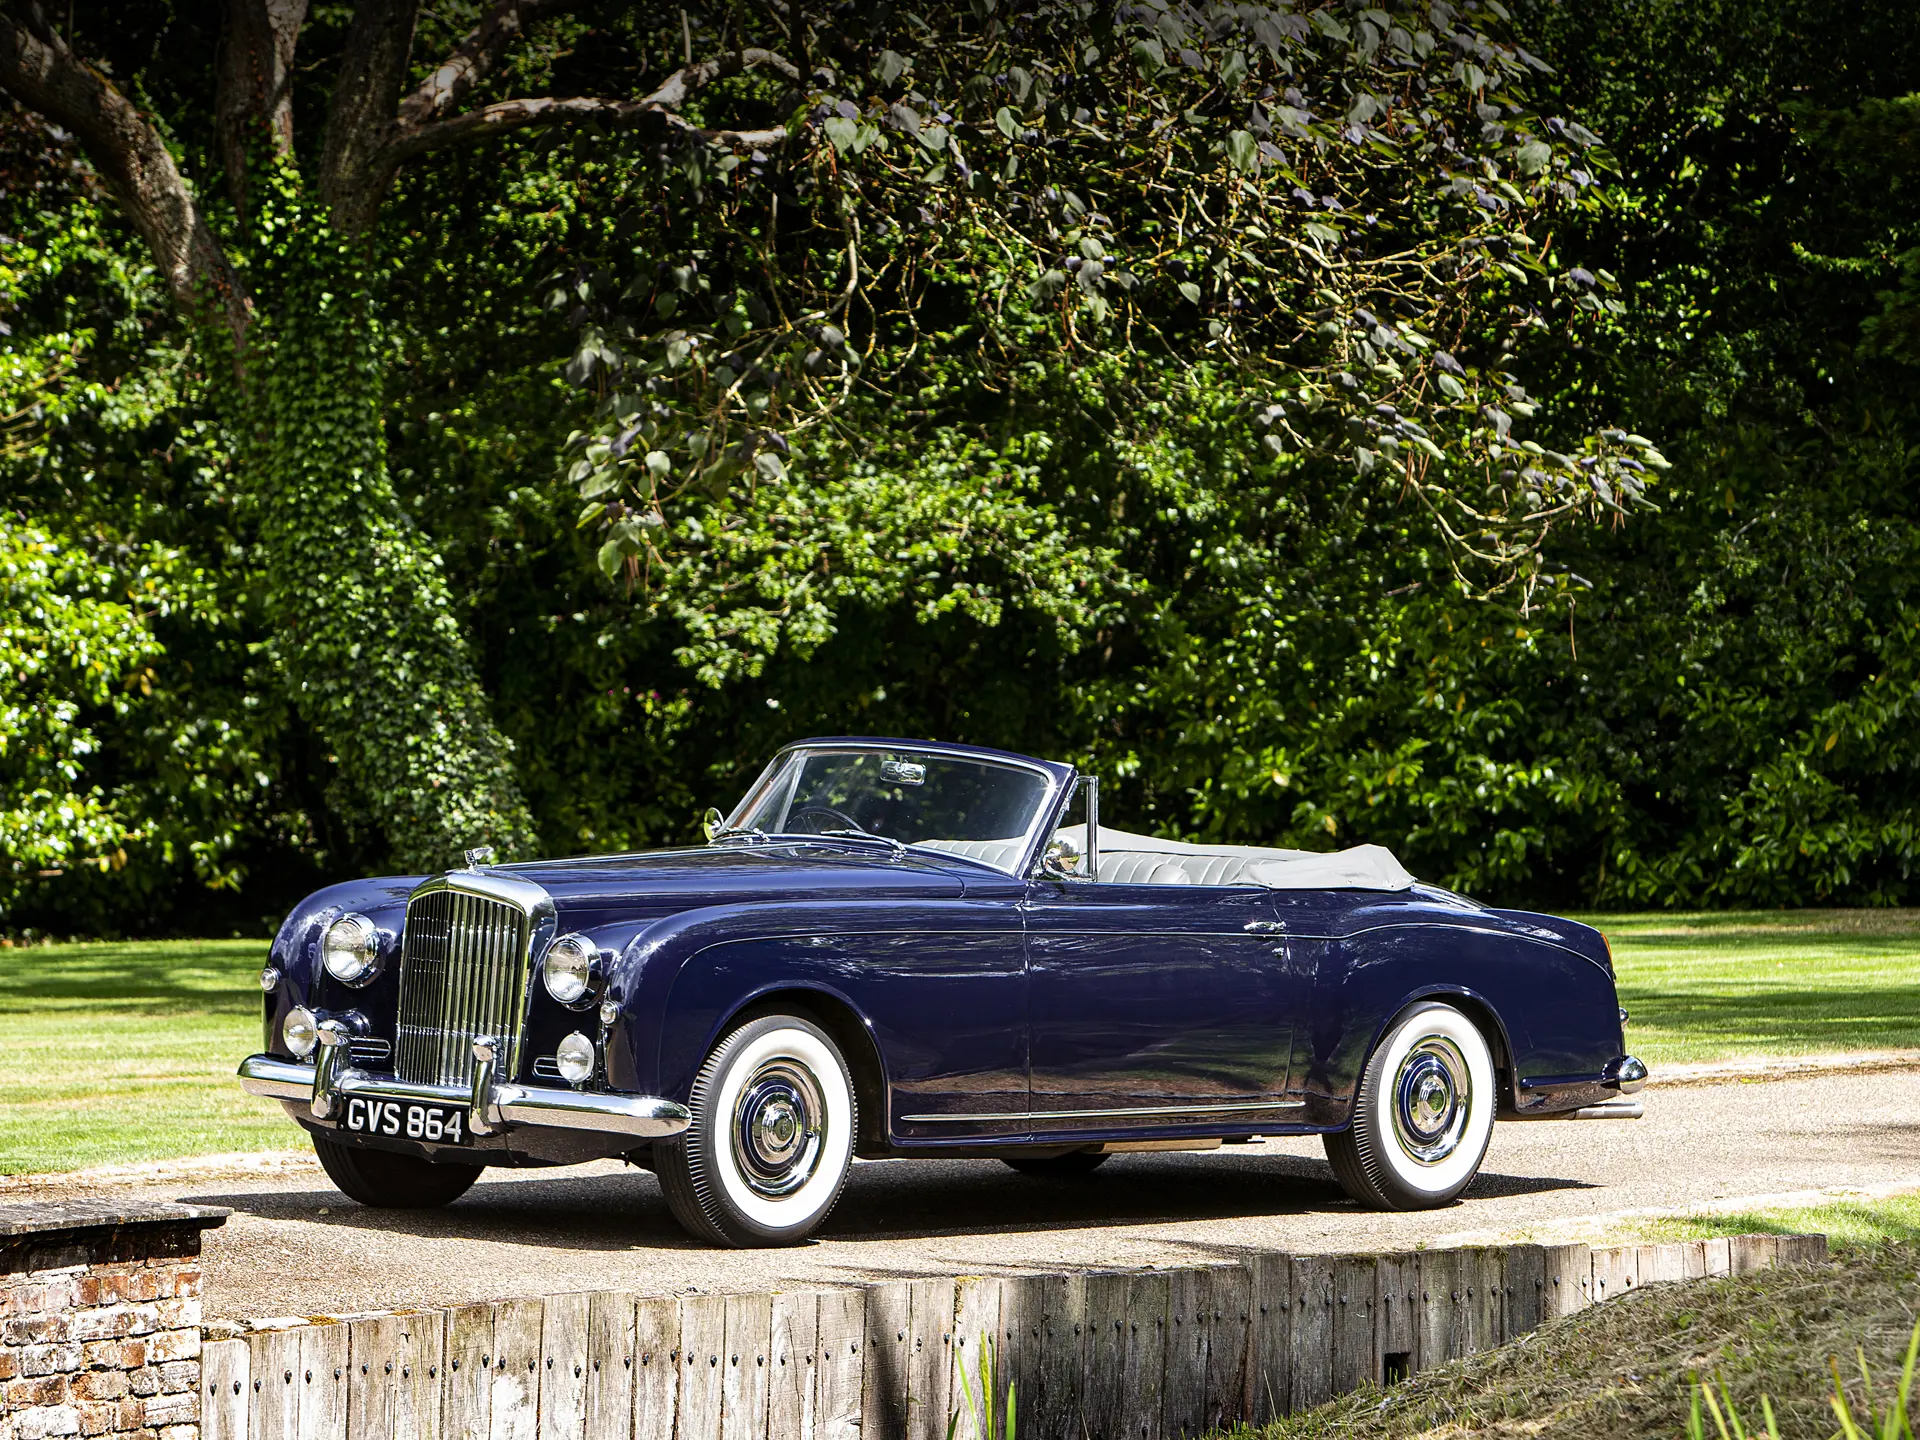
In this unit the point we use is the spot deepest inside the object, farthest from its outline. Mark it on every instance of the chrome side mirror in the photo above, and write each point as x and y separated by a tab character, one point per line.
1062	860
713	822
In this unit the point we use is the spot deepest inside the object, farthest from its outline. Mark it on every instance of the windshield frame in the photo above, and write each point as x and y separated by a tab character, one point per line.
1059	780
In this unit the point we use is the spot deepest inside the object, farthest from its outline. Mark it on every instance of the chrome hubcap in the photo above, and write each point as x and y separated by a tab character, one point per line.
778	1126
1432	1096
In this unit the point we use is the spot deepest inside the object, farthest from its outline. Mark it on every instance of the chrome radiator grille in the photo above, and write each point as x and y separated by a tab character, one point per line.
463	972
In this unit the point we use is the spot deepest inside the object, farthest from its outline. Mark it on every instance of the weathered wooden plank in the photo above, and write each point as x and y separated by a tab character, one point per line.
930	1359
744	1380
1056	1366
515	1400
275	1363
1356	1331
466	1397
1748	1253
1149	1293
564	1324
1183	1398
323	1388
1229	1334
1103	1380
840	1363
373	1377
1022	1315
1397	1291
884	1401
976	1337
1800	1249
1442	1298
1486	1277
1310	1345
657	1368
417	1406
703	1343
1659	1264
1616	1270
1569	1280
1694	1253
1718	1255
792	1364
1272	1297
610	1365
1526	1278
226	1389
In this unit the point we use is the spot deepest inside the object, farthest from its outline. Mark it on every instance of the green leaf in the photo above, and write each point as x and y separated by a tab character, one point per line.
889	67
770	467
1243	152
1008	122
611	558
1451	387
1191	291
660	463
1233	70
1533	156
842	132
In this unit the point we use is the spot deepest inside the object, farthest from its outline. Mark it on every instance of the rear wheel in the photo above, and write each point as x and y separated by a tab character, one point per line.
1057	1167
771	1141
1424	1114
392	1182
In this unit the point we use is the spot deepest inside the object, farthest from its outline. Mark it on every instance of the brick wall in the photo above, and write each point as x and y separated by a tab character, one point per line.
100	1320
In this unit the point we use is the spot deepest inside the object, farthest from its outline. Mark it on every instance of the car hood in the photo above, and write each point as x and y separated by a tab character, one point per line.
727	874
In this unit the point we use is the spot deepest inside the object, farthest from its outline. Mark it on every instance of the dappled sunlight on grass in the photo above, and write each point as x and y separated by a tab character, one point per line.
1713	987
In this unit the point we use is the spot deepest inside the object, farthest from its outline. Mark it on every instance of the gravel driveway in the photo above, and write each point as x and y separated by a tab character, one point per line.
295	1245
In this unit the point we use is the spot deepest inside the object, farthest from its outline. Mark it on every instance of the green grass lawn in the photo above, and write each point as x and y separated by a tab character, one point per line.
114	1053
1716	987
111	1054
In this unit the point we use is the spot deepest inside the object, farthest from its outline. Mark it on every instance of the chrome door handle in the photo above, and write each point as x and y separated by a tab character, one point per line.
1265	927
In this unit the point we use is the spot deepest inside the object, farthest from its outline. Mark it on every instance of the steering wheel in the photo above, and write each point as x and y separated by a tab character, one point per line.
839	816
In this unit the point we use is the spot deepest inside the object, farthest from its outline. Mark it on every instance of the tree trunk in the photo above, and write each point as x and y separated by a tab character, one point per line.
365	629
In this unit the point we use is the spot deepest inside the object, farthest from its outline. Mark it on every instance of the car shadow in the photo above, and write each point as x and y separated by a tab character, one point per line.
890	1200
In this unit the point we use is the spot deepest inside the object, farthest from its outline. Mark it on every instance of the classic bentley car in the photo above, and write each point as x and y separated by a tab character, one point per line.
896	948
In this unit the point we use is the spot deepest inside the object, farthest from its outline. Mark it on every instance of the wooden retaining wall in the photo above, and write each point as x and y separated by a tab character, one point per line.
1094	1355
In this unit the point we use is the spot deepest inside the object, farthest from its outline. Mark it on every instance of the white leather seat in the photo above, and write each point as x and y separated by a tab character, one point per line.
1140	867
1000	854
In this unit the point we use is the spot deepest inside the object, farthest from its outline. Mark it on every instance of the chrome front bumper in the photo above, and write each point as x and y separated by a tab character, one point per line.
490	1106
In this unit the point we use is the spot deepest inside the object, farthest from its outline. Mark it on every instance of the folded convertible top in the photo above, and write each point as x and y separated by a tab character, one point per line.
1361	867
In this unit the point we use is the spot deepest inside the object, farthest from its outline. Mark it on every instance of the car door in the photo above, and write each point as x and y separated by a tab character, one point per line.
1156	1006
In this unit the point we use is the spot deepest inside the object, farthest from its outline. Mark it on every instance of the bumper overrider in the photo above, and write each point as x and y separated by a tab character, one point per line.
492	1106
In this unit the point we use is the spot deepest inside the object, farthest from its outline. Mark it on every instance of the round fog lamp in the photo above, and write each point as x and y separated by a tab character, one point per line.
569	968
574	1058
351	949
300	1032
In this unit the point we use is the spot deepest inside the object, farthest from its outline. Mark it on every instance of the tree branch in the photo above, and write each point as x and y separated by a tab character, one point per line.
254	89
474	58
40	71
361	122
658	107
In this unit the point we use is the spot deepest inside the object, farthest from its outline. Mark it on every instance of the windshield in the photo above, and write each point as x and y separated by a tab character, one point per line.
979	809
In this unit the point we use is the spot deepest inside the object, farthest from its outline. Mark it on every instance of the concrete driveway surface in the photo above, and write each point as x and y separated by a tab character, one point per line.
296	1246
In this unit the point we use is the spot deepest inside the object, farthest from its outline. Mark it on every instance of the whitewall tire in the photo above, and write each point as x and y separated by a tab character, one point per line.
1423	1115
774	1119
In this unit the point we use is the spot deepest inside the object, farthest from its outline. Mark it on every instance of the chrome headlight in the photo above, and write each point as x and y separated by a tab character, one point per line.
574	1059
300	1031
569	968
350	949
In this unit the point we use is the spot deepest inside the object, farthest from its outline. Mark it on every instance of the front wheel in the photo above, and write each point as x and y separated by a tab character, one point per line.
1423	1117
771	1140
389	1181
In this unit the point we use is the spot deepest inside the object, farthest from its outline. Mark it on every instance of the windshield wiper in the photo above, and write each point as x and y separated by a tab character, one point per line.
897	846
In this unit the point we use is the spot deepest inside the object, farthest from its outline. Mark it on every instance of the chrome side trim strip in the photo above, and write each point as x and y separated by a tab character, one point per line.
645	1117
1234	1108
1610	1110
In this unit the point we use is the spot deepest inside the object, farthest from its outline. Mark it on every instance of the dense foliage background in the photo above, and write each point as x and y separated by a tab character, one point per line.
1110	523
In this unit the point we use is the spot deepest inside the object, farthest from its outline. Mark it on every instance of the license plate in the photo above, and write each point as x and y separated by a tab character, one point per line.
407	1120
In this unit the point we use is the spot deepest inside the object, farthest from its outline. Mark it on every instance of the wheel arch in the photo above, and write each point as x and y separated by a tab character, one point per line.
1486	1019
850	1031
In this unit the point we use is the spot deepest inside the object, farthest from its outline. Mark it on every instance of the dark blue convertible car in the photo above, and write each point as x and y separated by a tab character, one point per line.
894	948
